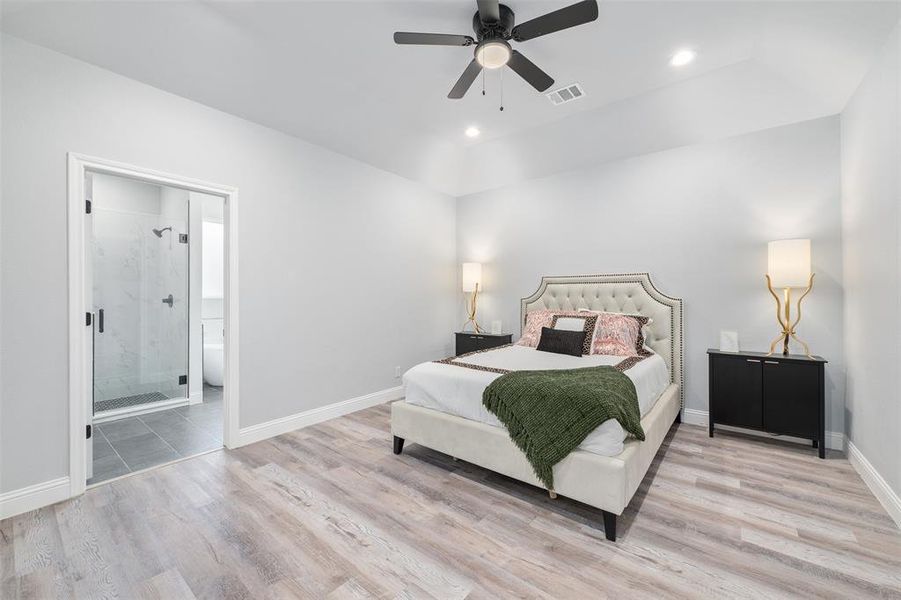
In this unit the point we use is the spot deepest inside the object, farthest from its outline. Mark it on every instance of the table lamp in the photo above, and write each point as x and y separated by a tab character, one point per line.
472	280
788	267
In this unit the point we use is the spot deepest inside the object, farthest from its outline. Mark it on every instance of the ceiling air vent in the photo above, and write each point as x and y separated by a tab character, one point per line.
566	94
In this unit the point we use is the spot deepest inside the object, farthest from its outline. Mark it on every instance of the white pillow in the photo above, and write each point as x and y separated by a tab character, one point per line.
570	323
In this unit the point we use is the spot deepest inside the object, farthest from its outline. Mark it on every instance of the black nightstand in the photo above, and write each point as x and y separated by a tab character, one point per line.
778	394
468	341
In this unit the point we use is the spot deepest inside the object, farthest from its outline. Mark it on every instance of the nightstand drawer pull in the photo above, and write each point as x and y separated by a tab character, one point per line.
771	362
752	360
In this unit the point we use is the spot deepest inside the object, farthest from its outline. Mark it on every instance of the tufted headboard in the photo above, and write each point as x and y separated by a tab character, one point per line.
630	293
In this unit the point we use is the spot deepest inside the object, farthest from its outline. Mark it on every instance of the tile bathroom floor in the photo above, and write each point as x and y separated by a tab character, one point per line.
136	443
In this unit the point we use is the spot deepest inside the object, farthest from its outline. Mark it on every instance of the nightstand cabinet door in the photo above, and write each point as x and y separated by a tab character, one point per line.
736	391
472	342
791	394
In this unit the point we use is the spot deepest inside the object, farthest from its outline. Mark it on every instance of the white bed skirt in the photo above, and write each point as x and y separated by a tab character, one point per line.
605	482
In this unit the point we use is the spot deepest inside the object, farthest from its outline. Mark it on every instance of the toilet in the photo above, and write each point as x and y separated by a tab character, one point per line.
213	352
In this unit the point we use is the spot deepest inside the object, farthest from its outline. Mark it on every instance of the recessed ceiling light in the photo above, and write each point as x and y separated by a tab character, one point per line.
472	132
682	58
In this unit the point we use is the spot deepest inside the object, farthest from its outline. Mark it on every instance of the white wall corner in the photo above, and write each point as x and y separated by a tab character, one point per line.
256	433
879	486
33	497
835	440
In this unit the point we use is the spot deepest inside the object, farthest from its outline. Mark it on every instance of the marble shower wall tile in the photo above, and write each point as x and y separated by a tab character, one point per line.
144	346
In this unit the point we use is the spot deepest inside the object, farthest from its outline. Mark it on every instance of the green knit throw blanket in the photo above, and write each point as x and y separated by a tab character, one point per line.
549	413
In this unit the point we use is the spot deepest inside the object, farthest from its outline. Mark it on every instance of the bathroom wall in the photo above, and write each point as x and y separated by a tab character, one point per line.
213	258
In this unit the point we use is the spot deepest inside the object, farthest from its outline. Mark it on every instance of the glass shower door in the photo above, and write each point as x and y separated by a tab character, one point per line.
140	294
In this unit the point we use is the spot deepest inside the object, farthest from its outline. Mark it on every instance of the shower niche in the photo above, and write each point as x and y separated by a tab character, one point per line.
139	263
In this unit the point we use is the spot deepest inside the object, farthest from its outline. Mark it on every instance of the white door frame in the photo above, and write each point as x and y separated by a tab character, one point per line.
80	381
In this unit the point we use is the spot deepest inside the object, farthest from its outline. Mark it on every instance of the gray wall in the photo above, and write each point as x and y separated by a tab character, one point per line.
871	209
346	271
698	219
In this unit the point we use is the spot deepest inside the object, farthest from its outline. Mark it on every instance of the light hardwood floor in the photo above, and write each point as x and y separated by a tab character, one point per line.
330	512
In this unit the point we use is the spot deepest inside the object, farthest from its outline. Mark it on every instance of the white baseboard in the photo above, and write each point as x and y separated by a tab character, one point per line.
879	486
691	416
256	433
33	497
835	440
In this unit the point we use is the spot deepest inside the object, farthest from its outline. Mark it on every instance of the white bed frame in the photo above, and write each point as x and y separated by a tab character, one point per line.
604	482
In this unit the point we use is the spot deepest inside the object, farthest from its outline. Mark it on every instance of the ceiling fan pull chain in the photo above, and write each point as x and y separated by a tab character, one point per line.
502	89
483	82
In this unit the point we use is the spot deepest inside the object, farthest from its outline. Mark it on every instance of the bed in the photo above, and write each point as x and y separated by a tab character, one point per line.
442	410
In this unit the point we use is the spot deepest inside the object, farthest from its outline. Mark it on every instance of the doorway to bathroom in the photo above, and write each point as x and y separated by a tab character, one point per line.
149	355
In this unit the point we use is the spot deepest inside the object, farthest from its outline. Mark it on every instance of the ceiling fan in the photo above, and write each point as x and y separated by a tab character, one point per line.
494	27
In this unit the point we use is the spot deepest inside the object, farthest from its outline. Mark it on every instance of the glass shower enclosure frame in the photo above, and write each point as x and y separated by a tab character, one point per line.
139	280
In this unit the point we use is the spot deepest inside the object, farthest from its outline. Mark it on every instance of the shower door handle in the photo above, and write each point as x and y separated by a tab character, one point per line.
168	300
100	321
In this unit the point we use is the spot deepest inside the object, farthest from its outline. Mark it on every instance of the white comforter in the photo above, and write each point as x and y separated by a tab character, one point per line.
458	390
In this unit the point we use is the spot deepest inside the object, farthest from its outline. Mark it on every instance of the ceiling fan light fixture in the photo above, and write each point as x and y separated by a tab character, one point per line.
493	54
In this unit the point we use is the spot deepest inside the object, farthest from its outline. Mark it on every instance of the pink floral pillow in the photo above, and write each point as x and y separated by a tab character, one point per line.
535	320
618	335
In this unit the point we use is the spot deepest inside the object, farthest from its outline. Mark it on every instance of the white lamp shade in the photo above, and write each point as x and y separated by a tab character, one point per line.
789	263
472	276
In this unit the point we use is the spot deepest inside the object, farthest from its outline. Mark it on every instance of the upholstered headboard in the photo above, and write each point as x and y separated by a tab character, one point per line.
630	293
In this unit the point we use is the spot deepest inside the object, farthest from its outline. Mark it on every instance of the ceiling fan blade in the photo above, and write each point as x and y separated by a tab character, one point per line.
489	10
526	69
469	75
575	14
432	39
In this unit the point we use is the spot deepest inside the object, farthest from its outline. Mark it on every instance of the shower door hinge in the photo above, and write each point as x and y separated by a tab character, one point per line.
87	207
88	432
87	319
182	379
183	238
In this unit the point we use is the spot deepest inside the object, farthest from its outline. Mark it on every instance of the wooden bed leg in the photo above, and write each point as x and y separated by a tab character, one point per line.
609	525
398	445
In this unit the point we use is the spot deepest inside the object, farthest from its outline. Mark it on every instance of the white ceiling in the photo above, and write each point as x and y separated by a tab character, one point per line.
329	72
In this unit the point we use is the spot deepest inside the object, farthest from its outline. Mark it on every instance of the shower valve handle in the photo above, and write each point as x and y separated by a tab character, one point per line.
168	300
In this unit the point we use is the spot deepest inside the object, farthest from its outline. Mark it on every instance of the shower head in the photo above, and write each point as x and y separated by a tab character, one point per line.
159	232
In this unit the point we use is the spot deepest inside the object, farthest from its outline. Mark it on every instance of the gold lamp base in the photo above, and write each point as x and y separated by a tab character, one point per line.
472	311
788	328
